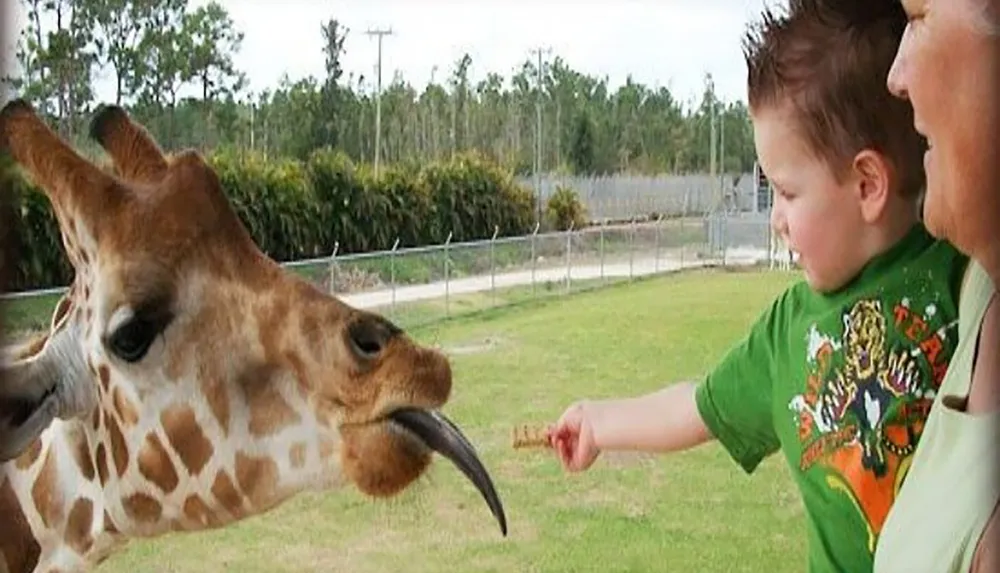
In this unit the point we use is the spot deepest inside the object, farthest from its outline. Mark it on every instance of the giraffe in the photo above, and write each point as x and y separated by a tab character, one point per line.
187	381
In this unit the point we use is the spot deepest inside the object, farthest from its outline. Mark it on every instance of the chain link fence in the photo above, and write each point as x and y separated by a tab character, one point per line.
417	286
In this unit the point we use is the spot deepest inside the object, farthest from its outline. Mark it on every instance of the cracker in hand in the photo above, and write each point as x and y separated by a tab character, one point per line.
528	436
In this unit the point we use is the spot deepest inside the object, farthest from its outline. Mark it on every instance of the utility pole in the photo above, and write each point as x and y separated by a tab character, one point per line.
711	121
538	132
378	95
722	154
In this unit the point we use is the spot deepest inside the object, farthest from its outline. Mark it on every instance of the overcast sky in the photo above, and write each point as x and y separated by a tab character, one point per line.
669	43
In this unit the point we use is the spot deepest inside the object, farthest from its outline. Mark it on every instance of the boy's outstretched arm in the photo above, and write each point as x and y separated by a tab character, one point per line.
663	421
733	405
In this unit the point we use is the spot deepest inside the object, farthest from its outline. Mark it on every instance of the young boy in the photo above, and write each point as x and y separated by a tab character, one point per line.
840	371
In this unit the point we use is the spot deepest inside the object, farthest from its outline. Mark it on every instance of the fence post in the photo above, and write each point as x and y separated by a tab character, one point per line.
333	268
684	243
447	275
659	228
534	257
392	276
724	228
631	250
493	264
569	256
604	224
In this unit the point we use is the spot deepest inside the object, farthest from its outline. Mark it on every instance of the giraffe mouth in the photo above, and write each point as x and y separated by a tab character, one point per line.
438	433
22	421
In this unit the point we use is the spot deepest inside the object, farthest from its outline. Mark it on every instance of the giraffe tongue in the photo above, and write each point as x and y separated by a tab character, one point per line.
442	436
22	421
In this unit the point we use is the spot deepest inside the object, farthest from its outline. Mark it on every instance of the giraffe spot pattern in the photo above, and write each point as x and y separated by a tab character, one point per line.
187	438
102	463
257	478
142	508
218	401
127	412
225	492
18	547
30	456
119	450
299	368
109	525
83	460
198	511
46	494
269	412
81	517
155	464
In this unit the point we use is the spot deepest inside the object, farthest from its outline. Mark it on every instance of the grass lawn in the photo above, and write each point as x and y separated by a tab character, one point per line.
524	364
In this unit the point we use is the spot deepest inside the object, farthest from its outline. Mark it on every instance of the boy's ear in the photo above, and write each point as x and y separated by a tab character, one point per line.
872	174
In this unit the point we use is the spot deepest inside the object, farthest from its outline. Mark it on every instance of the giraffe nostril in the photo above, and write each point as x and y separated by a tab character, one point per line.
369	335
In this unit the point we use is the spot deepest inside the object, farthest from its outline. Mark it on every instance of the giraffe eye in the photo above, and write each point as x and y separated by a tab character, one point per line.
136	330
132	340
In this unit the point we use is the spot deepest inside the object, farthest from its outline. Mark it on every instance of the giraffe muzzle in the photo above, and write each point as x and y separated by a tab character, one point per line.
441	435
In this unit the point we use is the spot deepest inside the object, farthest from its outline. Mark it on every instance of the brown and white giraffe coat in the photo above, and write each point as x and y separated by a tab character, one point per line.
191	381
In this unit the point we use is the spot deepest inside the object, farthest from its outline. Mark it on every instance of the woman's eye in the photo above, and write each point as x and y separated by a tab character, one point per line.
132	340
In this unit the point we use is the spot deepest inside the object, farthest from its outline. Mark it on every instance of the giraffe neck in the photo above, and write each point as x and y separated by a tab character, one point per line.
54	497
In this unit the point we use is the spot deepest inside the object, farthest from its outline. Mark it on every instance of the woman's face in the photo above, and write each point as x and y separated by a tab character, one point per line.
948	66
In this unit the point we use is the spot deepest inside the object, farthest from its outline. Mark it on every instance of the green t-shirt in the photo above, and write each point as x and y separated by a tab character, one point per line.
842	383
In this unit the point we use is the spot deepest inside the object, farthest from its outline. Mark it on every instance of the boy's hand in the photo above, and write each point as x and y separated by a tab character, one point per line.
572	438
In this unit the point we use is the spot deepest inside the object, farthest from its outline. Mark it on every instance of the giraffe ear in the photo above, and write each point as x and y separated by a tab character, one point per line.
75	186
135	154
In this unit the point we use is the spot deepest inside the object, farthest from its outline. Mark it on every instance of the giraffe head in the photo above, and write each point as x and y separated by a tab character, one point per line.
192	355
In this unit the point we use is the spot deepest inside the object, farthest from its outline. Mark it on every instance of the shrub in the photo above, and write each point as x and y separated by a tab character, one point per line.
564	208
297	209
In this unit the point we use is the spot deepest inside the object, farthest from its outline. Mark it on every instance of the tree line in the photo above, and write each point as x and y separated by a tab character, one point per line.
299	209
156	51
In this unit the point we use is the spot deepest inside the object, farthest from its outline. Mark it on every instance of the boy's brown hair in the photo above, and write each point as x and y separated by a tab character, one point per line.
829	59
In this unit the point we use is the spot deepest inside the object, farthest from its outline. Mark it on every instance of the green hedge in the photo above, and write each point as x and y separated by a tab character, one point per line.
298	209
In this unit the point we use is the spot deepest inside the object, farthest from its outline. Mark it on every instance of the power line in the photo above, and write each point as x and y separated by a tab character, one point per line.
378	94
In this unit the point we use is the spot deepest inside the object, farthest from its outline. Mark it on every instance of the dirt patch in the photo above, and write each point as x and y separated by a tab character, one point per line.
473	347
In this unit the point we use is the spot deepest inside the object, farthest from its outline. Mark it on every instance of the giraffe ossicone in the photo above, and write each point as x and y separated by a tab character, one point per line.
186	380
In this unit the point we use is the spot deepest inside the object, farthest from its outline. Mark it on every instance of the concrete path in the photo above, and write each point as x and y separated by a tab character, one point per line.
642	265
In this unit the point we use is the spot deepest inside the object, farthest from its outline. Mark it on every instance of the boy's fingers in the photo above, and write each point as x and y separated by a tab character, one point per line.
560	432
565	452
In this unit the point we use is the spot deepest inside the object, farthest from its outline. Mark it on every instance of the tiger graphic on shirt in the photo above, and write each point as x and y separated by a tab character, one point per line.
867	394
